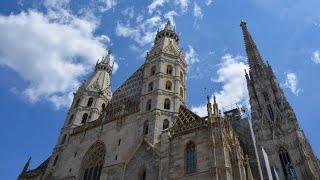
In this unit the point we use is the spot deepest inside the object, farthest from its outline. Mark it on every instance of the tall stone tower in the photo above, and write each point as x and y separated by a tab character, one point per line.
163	83
274	122
89	101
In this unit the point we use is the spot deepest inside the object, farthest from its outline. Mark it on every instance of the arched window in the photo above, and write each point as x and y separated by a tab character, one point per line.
181	76
181	92
191	159
150	86
168	85
77	103
153	70
63	140
288	169
70	119
165	124
84	118
148	106
145	127
166	104
169	69
93	161
103	106
90	101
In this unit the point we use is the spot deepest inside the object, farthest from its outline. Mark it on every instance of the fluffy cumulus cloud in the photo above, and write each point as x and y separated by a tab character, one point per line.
192	56
292	83
316	57
143	33
233	91
50	51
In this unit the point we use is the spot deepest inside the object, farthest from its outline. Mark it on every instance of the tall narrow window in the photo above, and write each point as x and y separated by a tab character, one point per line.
150	86
191	161
145	127
166	104
70	119
63	140
84	118
169	69
288	169
168	85
181	92
77	103
103	106
148	105
92	162
165	124
55	160
181	76
270	111
153	70
90	101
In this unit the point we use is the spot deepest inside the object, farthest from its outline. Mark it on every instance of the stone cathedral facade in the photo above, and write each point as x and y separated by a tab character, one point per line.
144	130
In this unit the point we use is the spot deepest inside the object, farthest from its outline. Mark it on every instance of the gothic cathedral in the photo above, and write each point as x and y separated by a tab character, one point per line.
144	130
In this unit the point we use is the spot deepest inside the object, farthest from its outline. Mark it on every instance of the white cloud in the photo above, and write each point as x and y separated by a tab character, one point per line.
208	2
292	83
192	56
230	74
143	33
50	52
183	4
316	57
169	15
105	5
129	12
155	4
197	12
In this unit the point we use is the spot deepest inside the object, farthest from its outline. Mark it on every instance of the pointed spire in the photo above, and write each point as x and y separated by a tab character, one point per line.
26	166
209	106
253	54
106	63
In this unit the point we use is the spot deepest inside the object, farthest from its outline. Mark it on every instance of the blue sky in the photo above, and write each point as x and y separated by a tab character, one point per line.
47	48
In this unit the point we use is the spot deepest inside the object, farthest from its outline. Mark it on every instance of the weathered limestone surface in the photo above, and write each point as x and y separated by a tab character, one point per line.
145	131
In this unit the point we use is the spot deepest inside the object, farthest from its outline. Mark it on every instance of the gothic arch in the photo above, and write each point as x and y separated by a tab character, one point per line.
93	162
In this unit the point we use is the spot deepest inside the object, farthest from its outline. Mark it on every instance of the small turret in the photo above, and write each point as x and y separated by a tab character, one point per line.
106	63
167	32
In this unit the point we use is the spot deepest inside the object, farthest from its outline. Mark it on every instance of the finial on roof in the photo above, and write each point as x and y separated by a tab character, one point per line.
243	23
208	99
168	25
214	100
26	166
109	51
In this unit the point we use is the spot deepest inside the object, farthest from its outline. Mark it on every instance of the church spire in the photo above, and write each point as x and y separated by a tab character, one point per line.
253	54
26	166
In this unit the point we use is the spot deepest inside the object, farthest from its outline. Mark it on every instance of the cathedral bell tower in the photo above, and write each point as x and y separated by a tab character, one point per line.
274	122
88	103
164	89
